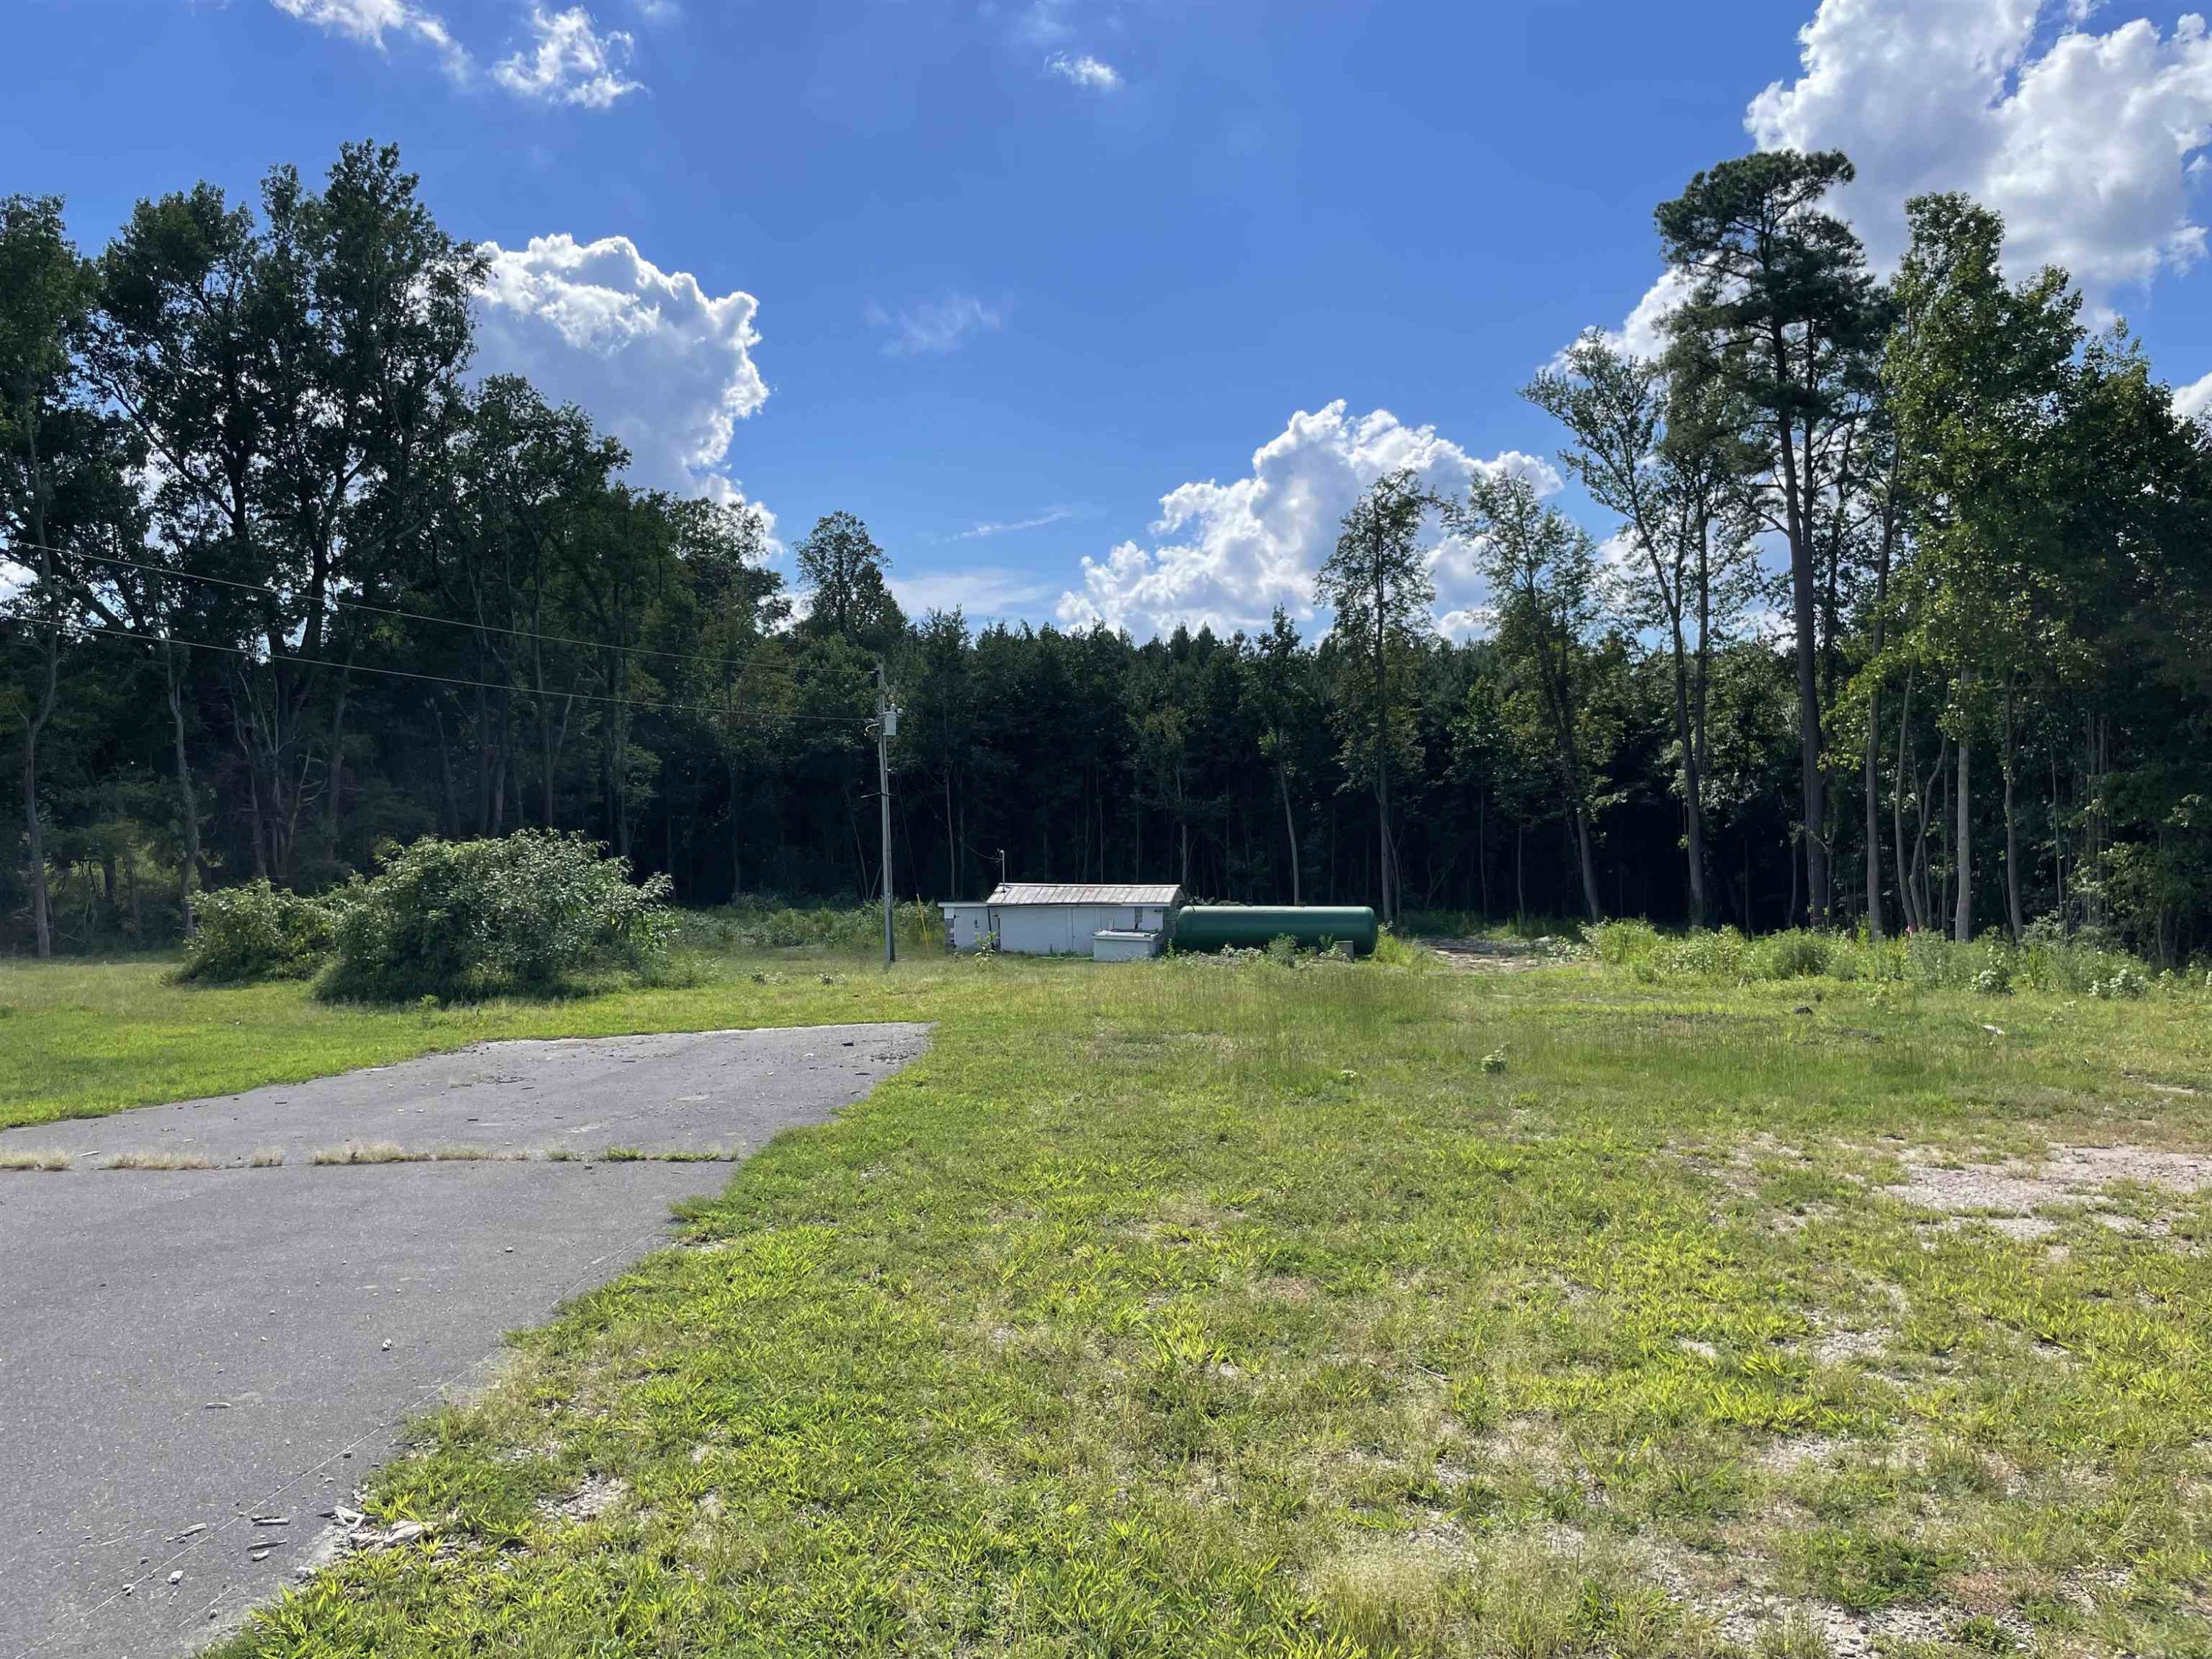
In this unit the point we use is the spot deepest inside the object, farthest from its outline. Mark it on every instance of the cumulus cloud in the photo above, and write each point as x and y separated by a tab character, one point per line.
1084	70
650	355
2080	139
2194	402
1227	554
2085	142
569	61
370	21
933	327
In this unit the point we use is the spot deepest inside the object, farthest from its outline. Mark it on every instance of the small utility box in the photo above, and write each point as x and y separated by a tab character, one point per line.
1123	945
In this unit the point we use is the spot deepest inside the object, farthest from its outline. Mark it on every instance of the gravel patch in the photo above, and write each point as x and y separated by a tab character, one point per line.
2006	1195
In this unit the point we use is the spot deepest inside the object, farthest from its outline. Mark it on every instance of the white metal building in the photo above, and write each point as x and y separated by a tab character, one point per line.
1105	922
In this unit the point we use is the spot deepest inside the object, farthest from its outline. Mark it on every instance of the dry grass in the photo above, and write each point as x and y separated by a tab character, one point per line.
157	1161
265	1158
367	1151
50	1159
677	1155
390	1151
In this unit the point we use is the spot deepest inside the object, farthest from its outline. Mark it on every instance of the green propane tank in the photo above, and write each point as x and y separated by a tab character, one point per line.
1251	926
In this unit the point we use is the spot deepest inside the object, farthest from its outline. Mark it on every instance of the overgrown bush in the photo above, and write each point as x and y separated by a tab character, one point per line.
2083	964
258	931
533	912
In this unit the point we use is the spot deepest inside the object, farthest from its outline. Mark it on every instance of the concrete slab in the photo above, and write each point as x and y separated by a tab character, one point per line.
184	1351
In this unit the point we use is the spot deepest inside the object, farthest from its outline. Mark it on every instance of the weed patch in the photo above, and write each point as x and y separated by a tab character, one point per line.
46	1159
1228	1308
142	1160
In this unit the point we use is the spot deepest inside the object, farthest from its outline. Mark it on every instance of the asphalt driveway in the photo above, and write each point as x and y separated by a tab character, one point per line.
198	1365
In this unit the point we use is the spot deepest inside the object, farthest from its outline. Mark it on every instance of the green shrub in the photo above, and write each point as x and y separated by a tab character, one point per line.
1624	943
257	932
2126	982
531	913
842	926
1794	955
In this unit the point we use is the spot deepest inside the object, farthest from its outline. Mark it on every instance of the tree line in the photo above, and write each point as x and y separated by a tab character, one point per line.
1902	617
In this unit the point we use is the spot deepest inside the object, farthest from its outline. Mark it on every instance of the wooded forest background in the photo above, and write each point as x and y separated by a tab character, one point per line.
1903	618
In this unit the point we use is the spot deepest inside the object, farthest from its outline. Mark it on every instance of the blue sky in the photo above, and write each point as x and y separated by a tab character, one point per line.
1029	284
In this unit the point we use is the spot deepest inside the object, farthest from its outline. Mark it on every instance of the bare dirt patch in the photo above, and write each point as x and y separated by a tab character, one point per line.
1487	956
2006	1195
593	1498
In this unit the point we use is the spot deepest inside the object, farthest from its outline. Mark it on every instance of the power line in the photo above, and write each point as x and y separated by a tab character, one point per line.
342	602
77	631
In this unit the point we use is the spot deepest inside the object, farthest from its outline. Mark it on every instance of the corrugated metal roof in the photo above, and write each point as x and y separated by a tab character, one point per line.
1047	892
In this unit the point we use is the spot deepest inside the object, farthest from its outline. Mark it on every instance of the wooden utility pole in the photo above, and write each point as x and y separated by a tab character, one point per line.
886	729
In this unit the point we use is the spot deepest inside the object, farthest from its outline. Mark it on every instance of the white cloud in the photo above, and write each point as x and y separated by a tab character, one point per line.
934	326
1084	70
2194	402
569	61
369	21
653	357
1043	23
985	591
2086	142
988	527
1243	548
2081	140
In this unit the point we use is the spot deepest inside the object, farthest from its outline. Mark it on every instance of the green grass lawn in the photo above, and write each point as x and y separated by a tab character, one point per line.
1190	1307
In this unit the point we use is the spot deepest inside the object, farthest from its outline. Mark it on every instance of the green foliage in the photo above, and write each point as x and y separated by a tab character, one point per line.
534	912
1321	1341
1991	966
1865	1571
259	932
758	923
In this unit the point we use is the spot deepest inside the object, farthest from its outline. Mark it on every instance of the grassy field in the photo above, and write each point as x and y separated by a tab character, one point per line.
1200	1307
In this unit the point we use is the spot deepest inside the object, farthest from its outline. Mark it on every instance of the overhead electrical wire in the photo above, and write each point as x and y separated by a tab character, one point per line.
77	631
342	603
413	615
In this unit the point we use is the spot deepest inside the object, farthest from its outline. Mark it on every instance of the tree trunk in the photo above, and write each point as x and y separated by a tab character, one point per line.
2057	840
952	846
1693	817
35	722
545	751
1930	814
1587	865
188	800
42	922
1907	767
1804	609
1889	519
254	801
482	753
1962	856
450	824
737	839
1873	778
1790	917
1382	753
2012	830
338	754
1290	829
1482	848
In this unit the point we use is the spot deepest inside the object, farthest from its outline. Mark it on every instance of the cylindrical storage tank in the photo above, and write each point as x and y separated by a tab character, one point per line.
1252	927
